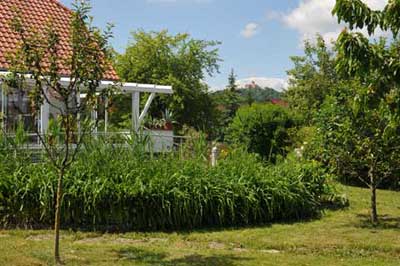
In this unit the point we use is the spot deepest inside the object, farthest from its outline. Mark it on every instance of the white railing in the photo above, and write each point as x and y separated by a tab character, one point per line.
155	140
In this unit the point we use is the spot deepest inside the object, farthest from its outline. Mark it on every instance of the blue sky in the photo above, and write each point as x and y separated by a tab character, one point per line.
258	36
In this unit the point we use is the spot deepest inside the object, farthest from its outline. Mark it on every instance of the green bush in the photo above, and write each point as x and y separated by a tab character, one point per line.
111	188
263	129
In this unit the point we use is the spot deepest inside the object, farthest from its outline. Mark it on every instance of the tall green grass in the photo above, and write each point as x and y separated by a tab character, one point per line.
114	188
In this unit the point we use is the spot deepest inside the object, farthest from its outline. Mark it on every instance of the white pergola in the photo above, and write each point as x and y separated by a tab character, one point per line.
127	88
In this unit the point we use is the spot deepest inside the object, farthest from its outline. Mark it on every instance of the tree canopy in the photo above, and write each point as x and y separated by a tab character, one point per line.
177	60
372	125
312	78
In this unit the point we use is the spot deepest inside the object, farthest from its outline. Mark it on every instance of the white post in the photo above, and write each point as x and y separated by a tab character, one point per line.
214	156
44	117
94	118
135	110
147	106
106	115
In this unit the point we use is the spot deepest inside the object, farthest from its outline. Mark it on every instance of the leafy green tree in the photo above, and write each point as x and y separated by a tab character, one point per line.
311	79
376	64
177	60
38	55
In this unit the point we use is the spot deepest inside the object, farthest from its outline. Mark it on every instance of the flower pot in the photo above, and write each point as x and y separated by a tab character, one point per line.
168	126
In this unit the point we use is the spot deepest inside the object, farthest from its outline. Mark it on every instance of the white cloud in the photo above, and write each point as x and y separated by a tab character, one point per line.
250	30
314	16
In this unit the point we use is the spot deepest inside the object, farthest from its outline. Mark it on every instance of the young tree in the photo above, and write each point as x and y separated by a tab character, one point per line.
177	60
377	66
40	59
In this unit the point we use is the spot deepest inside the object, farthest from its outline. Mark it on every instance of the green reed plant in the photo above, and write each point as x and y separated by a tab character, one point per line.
113	187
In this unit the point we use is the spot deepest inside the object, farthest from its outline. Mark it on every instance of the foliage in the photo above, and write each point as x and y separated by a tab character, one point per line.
177	60
116	188
263	129
376	105
311	79
358	140
227	102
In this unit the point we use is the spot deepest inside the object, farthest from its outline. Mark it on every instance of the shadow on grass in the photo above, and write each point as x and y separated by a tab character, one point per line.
145	257
385	222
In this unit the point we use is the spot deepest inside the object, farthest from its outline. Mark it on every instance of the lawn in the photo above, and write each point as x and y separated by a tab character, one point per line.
340	237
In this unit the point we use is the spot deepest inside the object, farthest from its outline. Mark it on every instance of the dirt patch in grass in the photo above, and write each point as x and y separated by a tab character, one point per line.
270	251
90	240
41	237
216	245
121	240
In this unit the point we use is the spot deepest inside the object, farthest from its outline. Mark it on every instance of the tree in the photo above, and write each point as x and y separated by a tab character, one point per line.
39	58
232	97
311	79
177	60
359	138
232	86
377	65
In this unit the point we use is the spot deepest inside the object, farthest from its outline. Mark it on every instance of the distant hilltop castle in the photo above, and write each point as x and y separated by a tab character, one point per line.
252	85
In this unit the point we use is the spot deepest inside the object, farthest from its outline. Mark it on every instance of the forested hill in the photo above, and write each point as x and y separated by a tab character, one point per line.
256	94
259	94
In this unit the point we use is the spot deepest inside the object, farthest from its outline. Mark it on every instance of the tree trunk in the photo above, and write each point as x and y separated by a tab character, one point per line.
374	213
57	220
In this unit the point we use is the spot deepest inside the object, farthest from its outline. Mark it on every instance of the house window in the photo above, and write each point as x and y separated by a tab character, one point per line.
19	112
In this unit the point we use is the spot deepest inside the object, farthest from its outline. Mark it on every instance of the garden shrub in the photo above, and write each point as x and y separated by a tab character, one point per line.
263	129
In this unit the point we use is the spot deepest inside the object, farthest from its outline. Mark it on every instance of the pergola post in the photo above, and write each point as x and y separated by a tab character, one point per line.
147	106
135	111
93	115
44	117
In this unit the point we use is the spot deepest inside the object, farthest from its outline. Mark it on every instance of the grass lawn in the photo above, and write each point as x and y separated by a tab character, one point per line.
339	238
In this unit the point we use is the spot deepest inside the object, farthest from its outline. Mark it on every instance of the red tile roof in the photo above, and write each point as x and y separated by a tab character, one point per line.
36	14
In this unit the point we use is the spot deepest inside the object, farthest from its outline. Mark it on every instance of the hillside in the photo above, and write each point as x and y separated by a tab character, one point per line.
259	94
253	94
